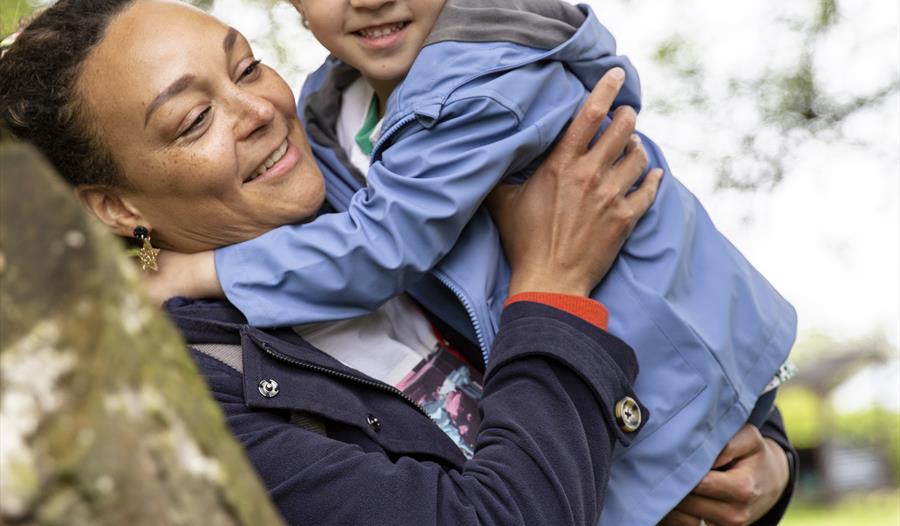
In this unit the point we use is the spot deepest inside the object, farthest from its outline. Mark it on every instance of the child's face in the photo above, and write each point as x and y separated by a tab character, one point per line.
380	38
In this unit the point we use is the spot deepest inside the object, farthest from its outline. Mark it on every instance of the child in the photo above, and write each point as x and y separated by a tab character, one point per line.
423	108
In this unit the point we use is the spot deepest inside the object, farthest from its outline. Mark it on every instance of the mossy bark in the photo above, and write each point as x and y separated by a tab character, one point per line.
103	416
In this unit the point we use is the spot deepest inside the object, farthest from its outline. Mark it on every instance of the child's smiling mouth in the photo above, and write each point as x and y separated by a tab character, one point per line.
382	36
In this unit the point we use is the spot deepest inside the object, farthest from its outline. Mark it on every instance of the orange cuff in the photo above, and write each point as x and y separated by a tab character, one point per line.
587	309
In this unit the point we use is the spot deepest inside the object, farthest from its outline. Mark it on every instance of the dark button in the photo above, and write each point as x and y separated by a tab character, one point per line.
373	422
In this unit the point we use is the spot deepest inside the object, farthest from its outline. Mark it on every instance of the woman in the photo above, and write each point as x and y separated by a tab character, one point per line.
152	135
379	460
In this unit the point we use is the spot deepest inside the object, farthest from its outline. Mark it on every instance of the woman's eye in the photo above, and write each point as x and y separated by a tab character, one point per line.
251	69
197	122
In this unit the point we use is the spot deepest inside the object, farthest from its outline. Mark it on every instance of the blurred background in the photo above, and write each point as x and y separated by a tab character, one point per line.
784	119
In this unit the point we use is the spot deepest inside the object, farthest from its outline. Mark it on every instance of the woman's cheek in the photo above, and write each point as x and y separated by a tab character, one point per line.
211	173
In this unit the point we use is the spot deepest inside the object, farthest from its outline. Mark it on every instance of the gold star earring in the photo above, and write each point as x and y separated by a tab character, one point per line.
146	254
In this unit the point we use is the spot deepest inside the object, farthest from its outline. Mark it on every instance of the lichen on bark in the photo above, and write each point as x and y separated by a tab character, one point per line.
105	419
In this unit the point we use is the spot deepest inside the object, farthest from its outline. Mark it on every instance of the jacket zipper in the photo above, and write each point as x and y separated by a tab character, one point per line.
467	305
443	278
344	376
386	135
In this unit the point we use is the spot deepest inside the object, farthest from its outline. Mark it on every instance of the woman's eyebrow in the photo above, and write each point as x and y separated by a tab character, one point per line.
185	81
174	89
228	43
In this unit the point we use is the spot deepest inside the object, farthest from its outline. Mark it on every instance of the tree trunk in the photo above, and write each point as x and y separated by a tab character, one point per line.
103	416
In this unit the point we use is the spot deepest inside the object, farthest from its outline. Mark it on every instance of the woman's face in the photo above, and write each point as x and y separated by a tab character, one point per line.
206	137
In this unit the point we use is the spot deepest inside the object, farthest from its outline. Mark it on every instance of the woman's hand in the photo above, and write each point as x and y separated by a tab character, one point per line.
747	479
189	275
563	228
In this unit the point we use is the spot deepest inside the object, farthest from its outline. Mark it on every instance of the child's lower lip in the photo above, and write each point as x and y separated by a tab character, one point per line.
382	42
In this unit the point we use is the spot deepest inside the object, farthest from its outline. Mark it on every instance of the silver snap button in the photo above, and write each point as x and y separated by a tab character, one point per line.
268	388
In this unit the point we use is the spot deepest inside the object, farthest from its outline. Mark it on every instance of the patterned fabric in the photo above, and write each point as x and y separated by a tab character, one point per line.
449	390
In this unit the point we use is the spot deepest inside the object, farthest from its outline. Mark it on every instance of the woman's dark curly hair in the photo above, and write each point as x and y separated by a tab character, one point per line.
39	95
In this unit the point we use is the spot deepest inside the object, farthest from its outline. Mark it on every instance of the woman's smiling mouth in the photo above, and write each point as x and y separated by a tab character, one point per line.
282	159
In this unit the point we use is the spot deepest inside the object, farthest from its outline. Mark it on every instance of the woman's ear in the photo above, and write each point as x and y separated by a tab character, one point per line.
112	208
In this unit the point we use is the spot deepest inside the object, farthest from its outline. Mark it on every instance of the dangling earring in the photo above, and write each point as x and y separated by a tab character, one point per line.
146	254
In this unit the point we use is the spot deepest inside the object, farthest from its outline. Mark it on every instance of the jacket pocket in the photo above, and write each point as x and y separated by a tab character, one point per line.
669	356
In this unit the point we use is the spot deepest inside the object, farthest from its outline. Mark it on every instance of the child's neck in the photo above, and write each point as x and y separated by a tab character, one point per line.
383	90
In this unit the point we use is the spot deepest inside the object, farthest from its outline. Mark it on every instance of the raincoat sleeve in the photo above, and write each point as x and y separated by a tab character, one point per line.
422	190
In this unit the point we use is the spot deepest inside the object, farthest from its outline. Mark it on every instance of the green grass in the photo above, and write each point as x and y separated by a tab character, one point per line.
882	509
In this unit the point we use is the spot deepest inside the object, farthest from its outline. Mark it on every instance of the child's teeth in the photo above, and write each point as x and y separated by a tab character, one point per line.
381	32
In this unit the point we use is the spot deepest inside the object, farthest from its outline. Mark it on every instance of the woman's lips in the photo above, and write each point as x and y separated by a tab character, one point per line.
286	163
382	37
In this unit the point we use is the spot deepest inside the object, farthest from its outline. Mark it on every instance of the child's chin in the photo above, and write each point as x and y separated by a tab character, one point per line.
387	71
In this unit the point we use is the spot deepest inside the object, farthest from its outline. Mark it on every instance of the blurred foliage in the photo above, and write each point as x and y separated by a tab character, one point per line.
679	56
791	100
876	427
817	346
827	15
804	413
11	13
879	509
810	422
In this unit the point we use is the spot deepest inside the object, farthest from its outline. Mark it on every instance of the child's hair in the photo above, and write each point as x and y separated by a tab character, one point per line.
39	97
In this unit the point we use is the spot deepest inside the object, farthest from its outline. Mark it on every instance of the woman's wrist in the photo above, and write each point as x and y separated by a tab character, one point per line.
540	282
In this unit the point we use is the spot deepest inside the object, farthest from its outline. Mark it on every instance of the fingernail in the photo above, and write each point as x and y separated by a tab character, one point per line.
617	73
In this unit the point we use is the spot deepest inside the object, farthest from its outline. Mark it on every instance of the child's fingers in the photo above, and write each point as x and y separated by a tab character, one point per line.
642	199
594	111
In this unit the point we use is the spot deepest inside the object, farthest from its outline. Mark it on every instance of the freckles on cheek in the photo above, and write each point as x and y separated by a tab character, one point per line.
168	179
189	176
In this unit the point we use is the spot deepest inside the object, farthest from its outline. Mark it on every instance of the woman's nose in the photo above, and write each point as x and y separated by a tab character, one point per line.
254	114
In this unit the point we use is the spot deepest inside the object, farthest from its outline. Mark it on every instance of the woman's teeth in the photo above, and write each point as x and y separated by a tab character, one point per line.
382	31
271	160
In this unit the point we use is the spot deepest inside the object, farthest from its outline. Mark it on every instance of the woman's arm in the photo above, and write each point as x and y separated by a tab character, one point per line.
542	453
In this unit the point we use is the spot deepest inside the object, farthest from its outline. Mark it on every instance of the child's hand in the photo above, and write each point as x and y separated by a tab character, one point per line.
189	275
564	227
